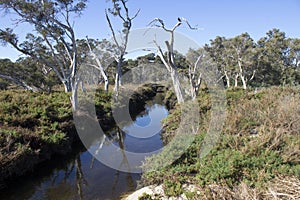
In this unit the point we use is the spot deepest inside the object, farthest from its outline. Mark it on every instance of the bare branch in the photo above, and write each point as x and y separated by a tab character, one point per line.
176	26
161	55
161	22
112	29
136	14
126	11
187	22
89	46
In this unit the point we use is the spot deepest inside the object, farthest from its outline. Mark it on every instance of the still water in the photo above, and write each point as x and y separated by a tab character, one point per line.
80	176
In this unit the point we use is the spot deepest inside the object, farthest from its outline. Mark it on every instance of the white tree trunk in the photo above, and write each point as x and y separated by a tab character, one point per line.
193	92
106	84
177	86
194	87
67	85
227	79
99	67
103	74
236	80
242	75
116	89
195	84
118	79
244	82
74	97
169	62
82	87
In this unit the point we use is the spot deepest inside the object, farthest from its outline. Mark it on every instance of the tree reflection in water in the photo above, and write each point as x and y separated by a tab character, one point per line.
118	136
80	180
81	176
61	186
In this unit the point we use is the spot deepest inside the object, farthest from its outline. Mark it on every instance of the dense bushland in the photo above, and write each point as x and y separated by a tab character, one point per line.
258	148
35	126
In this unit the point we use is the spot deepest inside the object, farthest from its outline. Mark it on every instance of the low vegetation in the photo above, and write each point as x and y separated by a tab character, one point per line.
258	149
34	126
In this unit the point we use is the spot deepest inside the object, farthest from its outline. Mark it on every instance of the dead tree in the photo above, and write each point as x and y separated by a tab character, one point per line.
121	45
169	60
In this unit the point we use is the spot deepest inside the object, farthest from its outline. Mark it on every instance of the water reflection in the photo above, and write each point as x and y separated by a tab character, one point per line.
81	176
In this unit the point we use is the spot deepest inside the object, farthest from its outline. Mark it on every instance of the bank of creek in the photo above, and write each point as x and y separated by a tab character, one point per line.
78	175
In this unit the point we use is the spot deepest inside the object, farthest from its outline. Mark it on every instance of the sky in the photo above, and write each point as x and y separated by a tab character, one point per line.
226	18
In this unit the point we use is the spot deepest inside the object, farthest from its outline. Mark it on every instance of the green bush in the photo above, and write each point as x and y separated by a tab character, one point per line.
260	141
26	115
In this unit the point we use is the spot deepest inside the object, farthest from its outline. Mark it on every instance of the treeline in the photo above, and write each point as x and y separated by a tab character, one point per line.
29	74
272	60
26	73
238	62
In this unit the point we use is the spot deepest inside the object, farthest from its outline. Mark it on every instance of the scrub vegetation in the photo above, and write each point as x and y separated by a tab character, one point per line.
257	151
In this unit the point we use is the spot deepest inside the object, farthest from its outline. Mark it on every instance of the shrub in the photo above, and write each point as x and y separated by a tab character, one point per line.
259	142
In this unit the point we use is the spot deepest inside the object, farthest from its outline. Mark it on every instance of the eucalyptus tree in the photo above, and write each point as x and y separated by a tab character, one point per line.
216	50
27	74
37	74
54	41
101	54
235	59
273	57
195	59
119	9
240	51
13	73
169	60
294	52
294	59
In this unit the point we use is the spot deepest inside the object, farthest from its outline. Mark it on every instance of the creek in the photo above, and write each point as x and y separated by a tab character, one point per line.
81	176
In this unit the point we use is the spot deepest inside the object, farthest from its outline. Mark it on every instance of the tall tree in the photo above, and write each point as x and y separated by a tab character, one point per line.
54	43
235	59
273	58
240	51
216	50
195	59
294	53
294	60
169	60
120	9
101	56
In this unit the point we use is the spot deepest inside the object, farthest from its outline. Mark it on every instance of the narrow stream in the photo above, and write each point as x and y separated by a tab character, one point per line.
81	177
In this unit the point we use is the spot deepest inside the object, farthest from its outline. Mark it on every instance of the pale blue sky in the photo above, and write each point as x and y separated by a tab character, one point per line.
217	18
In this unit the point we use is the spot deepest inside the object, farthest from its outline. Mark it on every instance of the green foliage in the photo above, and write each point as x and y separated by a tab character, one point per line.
145	197
26	71
54	138
233	166
173	188
8	133
240	155
32	120
54	42
191	195
273	59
